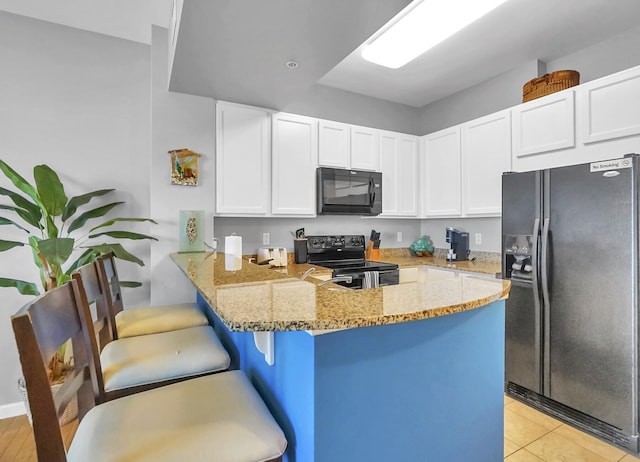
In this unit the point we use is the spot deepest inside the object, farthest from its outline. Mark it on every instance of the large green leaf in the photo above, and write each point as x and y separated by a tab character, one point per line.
6	245
6	221
79	201
118	252
50	190
23	203
51	228
20	183
25	288
123	235
94	213
56	250
33	243
24	214
87	256
114	220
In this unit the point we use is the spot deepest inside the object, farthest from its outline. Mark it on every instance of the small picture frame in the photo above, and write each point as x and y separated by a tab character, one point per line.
184	167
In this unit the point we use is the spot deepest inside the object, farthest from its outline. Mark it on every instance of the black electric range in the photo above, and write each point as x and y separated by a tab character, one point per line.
345	255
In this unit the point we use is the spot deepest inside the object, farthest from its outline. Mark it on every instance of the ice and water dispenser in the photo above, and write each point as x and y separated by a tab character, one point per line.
517	257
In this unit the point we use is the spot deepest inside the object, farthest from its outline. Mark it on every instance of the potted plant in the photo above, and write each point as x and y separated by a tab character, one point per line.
59	234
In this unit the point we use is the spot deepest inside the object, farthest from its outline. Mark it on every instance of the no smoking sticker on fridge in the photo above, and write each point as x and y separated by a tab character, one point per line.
614	164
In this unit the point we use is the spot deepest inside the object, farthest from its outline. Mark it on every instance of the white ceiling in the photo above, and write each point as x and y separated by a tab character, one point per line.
236	49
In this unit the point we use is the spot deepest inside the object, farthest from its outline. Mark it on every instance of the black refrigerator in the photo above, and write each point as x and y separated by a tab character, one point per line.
570	249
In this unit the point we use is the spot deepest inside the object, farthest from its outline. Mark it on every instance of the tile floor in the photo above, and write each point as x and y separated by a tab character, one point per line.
530	436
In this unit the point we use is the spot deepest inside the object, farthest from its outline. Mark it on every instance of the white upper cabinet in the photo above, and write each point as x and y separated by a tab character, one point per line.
399	165
544	124
442	188
334	144
294	162
365	153
610	107
243	141
486	154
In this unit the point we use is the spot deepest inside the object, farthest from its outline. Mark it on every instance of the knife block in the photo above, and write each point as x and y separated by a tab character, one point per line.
371	253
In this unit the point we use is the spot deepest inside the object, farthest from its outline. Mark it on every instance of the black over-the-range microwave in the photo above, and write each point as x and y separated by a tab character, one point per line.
349	192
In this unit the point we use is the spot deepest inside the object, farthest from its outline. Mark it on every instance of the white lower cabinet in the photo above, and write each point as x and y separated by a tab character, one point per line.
399	165
486	154
441	192
294	162
243	154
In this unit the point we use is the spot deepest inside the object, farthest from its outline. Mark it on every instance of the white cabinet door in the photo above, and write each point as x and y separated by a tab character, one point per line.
294	162
407	176
486	154
389	168
610	107
442	187
544	124
365	154
399	165
243	135
334	144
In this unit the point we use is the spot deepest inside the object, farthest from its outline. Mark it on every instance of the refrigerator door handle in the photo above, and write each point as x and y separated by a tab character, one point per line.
544	273
536	294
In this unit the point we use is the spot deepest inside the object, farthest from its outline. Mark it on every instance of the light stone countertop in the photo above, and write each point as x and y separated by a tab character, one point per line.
256	298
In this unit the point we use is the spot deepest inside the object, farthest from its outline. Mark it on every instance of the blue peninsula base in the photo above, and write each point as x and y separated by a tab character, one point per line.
428	390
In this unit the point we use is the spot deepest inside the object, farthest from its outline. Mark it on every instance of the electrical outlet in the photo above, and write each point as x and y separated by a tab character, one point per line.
478	238
266	238
399	237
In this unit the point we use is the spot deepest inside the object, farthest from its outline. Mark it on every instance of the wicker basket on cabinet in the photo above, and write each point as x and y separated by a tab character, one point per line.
549	83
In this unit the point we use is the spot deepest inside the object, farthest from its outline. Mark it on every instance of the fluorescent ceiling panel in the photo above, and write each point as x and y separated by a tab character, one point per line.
424	26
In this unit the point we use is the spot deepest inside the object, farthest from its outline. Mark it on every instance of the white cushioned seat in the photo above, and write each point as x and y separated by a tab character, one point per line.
150	320
153	358
213	418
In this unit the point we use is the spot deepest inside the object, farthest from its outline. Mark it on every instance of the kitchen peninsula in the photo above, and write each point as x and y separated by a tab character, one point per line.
410	372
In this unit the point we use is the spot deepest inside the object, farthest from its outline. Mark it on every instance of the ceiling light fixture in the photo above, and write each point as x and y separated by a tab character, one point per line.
292	65
424	25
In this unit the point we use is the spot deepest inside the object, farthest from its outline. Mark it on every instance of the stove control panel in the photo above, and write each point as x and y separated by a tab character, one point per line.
351	242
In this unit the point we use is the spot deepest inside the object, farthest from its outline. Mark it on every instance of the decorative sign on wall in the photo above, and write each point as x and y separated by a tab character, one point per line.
192	232
184	167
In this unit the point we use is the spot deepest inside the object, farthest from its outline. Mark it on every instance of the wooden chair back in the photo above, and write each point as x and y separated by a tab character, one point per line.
41	328
88	279
108	275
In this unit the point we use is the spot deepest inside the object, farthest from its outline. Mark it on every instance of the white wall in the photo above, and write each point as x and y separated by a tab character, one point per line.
344	106
79	102
178	121
604	58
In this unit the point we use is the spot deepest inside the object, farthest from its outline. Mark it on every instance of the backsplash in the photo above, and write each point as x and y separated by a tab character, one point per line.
486	257
281	230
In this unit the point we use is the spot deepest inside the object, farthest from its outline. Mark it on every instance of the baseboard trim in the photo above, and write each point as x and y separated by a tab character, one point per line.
12	410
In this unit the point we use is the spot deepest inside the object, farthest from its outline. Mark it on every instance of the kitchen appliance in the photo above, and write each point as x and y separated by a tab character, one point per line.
300	246
348	192
273	256
458	245
345	255
570	248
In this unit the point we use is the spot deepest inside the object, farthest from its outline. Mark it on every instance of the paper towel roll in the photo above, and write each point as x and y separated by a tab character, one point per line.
232	253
